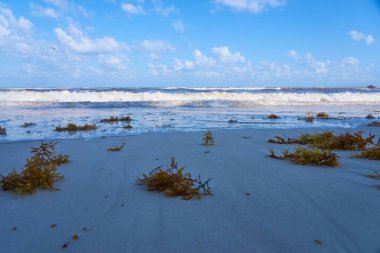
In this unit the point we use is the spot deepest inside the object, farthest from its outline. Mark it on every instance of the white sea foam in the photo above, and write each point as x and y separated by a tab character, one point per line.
194	99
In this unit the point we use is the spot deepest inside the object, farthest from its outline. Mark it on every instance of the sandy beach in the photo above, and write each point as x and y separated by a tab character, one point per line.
259	204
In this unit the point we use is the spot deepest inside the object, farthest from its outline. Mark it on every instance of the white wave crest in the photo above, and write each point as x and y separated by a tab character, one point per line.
193	99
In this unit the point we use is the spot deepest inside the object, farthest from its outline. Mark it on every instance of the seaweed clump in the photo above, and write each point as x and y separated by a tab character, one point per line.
371	153
208	139
307	156
322	115
375	175
116	148
116	119
375	123
3	131
369	116
327	140
174	182
41	171
128	126
71	127
28	124
273	116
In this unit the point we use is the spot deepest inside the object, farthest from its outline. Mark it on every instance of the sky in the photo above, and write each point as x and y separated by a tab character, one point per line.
183	43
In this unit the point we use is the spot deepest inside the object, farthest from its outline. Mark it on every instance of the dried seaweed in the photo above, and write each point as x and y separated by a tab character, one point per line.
322	115
3	131
375	123
128	126
40	171
371	153
309	156
28	124
375	175
327	140
309	119
116	148
273	116
208	139
116	119
71	127
174	182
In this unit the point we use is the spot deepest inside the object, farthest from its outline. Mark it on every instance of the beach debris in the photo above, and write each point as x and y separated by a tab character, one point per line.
40	171
65	245
71	127
128	126
232	121
28	124
327	140
322	115
116	148
75	237
53	225
371	153
174	182
375	123
14	228
208	138
273	116
84	229
207	152
375	175
3	131
309	119
248	194
309	156
369	116
246	137
318	242
116	119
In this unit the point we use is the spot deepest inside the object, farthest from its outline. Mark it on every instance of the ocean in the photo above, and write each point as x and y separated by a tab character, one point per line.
179	109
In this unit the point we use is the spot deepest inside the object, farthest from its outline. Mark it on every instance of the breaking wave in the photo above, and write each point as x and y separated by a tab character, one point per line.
190	97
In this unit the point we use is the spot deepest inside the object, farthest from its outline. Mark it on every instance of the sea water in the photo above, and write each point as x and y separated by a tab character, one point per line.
179	109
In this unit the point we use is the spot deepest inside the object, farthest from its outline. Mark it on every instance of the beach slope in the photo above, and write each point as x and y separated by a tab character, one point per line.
259	204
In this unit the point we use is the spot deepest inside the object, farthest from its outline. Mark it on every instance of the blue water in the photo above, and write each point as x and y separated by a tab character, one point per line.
179	109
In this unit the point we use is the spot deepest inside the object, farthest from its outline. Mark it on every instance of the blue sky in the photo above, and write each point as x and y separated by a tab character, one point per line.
134	43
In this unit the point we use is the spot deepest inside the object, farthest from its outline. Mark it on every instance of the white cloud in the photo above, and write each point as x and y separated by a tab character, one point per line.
161	9
157	46
132	9
253	6
225	55
221	63
179	26
112	61
40	11
293	55
65	6
201	60
74	39
351	61
359	36
158	70
15	33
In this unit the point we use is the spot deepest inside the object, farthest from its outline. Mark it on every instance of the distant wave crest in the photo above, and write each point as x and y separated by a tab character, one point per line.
211	98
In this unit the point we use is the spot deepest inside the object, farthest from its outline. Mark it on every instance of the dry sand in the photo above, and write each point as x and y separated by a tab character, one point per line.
287	209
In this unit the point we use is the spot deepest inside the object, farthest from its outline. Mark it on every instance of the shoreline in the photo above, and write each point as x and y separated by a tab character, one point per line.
297	129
